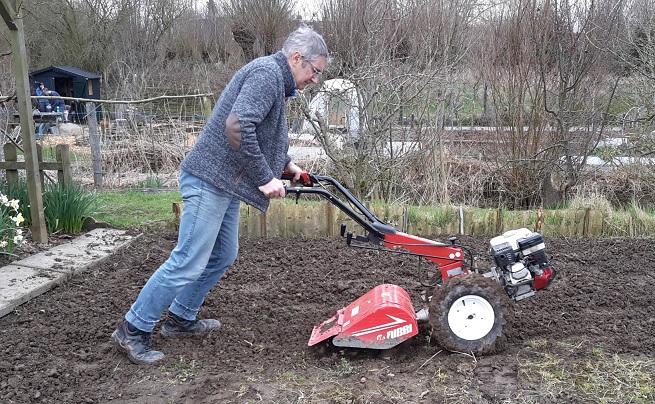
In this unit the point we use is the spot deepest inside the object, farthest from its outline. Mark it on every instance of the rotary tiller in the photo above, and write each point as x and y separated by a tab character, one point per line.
468	311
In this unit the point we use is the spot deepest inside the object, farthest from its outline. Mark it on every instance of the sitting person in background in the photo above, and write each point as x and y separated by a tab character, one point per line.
57	105
43	103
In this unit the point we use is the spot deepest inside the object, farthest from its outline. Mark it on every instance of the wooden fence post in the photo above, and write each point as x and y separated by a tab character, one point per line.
65	175
39	158
405	218
207	106
262	224
12	14
329	214
539	221
499	221
11	156
94	141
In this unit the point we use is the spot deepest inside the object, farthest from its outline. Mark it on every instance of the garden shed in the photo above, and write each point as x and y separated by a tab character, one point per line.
69	81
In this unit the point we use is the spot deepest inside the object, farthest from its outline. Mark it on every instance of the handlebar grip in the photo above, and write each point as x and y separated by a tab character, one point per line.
304	178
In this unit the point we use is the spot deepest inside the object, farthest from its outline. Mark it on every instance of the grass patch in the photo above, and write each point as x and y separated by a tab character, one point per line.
181	371
434	215
600	378
150	182
345	368
593	201
290	378
127	209
49	153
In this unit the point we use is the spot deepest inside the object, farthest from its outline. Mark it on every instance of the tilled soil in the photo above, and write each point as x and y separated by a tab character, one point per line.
57	349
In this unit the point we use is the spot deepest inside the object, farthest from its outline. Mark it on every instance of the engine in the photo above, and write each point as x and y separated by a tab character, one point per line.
522	266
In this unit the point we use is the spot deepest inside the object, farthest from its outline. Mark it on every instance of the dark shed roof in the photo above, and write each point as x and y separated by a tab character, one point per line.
67	70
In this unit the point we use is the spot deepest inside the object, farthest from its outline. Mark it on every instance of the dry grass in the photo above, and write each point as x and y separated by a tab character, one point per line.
132	155
586	376
548	373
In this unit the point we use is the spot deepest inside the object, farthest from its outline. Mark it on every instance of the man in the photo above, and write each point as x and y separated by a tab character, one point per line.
239	156
57	105
43	103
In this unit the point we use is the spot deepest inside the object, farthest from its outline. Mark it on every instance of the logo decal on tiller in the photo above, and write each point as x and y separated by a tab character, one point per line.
395	333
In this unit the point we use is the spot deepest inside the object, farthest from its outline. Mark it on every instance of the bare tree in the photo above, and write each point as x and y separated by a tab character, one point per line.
397	55
259	26
551	90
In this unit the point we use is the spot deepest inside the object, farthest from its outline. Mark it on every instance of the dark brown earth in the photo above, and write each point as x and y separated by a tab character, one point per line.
56	348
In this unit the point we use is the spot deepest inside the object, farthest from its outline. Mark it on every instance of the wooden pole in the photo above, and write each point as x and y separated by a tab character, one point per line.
14	20
94	140
39	156
11	156
207	106
65	175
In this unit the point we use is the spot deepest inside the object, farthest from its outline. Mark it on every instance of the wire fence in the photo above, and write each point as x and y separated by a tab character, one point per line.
141	143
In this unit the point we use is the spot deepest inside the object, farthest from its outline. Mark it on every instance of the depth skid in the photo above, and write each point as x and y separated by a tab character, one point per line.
380	319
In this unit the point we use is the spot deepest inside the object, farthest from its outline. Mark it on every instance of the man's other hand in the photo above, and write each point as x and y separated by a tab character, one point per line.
273	189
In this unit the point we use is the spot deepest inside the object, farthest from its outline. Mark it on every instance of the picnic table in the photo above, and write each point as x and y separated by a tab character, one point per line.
44	122
43	117
46	116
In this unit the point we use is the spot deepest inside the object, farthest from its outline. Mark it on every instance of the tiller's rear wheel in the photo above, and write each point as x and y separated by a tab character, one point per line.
471	314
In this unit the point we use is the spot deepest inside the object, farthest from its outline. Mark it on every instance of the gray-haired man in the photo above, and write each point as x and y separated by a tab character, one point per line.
239	156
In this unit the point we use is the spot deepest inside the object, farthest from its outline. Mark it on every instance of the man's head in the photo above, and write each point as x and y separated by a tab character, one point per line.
307	55
46	90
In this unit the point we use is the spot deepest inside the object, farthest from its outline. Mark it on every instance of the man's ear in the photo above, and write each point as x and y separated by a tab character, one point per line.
296	57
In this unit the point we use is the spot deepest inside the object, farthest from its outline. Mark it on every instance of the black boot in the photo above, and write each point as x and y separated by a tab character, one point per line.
137	344
175	326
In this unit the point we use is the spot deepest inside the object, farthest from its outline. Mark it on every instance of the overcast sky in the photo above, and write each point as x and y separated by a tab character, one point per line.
307	7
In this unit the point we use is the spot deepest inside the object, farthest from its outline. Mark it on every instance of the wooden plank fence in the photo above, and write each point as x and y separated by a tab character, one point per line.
62	164
319	220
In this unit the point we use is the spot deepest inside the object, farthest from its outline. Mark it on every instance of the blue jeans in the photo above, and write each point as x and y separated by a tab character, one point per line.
207	244
58	104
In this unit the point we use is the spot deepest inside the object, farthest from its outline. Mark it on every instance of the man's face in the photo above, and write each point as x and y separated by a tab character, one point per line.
304	71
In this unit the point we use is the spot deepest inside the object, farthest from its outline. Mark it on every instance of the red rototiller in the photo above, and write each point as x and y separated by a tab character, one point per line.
468	311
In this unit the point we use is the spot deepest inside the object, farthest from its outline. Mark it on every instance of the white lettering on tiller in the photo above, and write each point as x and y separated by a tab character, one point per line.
400	331
381	327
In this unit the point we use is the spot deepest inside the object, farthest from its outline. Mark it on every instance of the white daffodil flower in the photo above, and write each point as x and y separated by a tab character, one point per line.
18	219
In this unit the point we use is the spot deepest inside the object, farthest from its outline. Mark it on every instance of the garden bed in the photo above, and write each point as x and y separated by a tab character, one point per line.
587	338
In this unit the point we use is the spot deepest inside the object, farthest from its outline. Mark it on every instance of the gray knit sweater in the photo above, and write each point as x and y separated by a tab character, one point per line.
257	96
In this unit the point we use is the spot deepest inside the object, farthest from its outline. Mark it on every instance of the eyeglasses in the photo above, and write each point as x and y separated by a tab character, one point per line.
316	73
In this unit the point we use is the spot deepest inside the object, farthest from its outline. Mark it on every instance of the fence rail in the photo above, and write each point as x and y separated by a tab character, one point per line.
62	164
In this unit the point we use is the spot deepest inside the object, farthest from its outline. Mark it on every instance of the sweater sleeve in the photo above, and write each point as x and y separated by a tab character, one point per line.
254	102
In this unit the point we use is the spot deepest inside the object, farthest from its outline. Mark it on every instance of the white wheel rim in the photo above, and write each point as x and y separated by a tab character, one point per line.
471	317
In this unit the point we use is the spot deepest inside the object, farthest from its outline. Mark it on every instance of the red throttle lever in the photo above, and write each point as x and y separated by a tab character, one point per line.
305	180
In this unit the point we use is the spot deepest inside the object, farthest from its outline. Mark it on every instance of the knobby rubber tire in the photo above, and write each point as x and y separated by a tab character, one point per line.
446	295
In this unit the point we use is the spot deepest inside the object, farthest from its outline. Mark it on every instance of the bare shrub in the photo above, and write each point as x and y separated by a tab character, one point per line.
259	27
